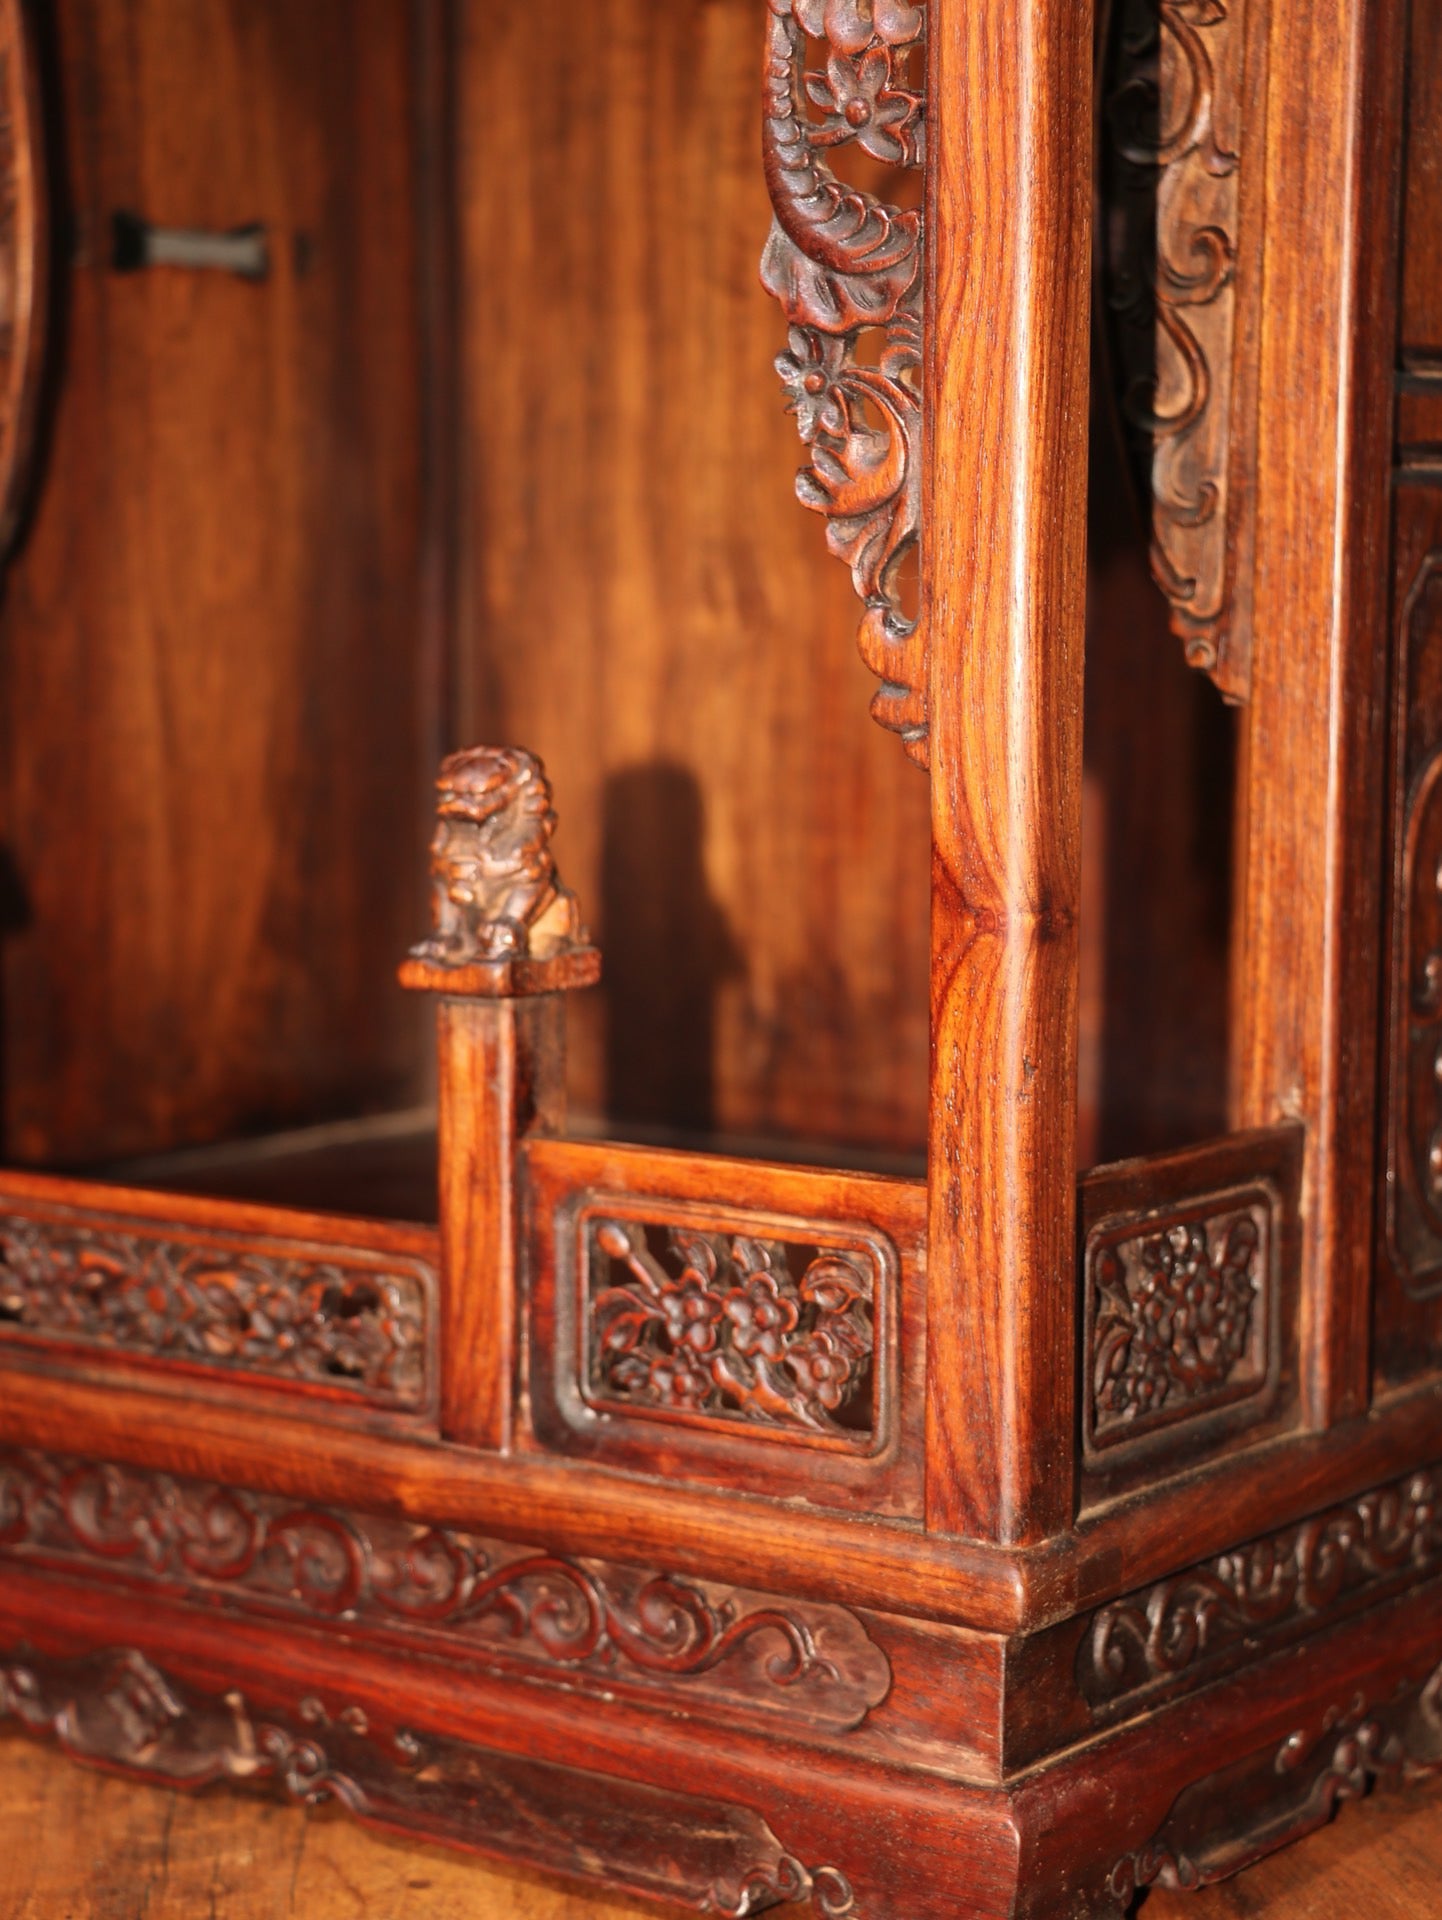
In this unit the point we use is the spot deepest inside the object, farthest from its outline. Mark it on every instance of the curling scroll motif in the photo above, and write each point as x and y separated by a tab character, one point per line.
1172	108
489	1600
1240	1604
846	266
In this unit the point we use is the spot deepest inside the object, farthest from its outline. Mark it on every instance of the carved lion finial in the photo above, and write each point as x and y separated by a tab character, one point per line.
497	895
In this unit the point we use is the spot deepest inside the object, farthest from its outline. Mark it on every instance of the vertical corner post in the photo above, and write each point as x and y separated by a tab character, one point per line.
1009	237
1305	986
505	946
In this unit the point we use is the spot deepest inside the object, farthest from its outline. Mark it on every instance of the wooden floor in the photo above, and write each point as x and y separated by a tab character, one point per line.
77	1845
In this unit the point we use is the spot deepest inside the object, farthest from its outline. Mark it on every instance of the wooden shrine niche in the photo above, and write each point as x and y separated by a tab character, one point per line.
729	1526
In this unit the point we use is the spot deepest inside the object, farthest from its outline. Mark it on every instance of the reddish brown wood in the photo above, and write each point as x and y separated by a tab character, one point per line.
989	1547
1005	520
1305	975
24	262
213	856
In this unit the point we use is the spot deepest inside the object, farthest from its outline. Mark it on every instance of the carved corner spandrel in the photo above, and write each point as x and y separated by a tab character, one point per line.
847	270
503	924
1180	259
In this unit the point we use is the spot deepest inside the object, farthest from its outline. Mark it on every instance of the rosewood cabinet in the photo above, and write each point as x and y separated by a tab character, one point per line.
950	1449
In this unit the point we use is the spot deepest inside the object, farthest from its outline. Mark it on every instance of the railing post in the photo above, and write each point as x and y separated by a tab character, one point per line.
506	944
1004	544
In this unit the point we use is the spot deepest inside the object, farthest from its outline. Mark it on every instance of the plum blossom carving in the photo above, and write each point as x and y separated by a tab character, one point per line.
1175	1317
719	1325
842	263
858	101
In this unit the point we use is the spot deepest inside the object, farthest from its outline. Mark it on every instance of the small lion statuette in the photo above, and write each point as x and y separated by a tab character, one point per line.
497	895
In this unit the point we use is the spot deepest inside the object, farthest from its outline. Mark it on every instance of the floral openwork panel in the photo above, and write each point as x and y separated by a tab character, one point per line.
720	1325
345	1320
1179	1308
842	87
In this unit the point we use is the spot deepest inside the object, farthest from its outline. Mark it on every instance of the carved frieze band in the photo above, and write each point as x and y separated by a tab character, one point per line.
347	1319
1179	1315
1172	108
1222	1825
118	1708
1414	1105
1245	1602
507	1604
689	1324
847	270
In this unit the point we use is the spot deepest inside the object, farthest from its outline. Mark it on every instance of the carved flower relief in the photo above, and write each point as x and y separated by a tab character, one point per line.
719	1325
851	25
859	103
1174	1318
811	373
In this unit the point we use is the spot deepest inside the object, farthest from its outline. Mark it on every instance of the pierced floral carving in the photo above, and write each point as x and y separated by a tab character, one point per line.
718	1325
329	1316
1177	1318
1172	112
843	264
1288	1582
491	1599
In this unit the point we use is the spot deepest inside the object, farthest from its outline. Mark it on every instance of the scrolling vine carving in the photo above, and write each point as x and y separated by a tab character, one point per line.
1172	106
487	1597
729	1331
843	264
332	1316
1287	1582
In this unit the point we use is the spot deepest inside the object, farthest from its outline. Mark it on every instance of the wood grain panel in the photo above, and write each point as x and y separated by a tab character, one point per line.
646	605
213	766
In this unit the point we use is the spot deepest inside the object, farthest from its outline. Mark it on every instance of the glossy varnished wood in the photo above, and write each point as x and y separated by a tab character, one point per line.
73	1841
645	604
1006	531
212	855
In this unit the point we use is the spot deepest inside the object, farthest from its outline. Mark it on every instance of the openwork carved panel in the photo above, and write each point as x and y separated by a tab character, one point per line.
1414	1104
1179	1309
685	1323
354	1322
122	1710
507	1605
842	78
1245	1602
1173	257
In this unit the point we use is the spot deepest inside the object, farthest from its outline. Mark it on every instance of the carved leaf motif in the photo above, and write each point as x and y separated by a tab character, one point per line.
1174	1316
720	1327
1171	101
842	263
491	1599
308	1316
1286	1580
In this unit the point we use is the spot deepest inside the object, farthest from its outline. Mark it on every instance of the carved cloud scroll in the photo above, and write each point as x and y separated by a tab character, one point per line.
1177	266
847	270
